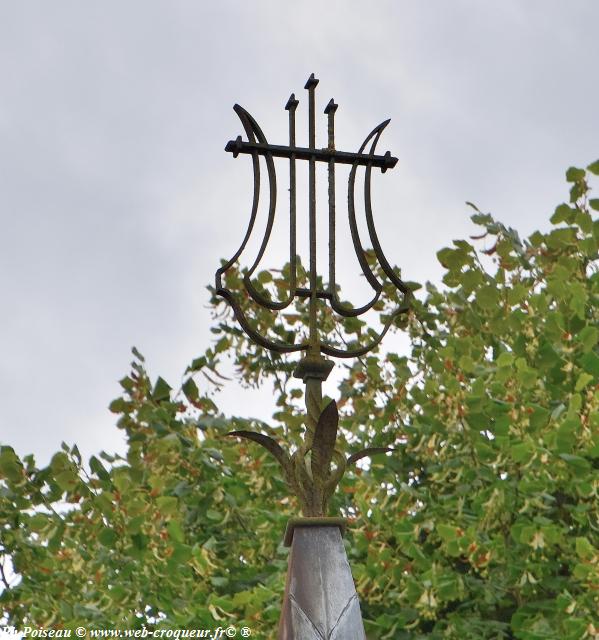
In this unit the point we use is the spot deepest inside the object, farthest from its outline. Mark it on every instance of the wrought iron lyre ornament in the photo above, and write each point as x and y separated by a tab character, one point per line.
313	368
256	146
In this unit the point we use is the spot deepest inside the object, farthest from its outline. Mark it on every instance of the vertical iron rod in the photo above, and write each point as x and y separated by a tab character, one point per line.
313	339
291	106
330	111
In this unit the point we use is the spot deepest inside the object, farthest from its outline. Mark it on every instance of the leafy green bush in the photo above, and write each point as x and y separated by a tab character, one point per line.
482	524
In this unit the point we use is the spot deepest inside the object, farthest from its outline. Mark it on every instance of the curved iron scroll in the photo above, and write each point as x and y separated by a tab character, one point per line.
256	146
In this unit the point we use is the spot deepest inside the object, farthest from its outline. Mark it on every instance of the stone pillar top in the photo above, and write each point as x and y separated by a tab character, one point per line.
320	601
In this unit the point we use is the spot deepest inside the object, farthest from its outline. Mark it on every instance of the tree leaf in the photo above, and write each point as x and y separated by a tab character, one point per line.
197	364
39	521
565	438
453	259
190	389
181	553
488	297
594	167
590	363
583	379
578	462
67	480
137	354
107	537
588	337
98	468
573	174
10	465
175	531
447	532
584	549
167	505
162	390
563	213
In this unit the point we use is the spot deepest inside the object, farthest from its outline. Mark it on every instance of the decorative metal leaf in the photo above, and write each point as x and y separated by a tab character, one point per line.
270	445
370	451
335	477
325	436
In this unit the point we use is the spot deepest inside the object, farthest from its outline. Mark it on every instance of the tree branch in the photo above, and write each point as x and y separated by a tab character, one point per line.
3	575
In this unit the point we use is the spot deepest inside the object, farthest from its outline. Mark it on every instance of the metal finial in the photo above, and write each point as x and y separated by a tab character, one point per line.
291	103
331	107
311	82
320	599
327	463
257	146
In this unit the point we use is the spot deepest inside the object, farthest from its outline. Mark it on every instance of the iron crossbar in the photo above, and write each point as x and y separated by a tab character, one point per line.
384	162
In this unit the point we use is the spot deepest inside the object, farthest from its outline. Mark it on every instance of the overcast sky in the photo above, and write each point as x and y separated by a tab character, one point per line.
117	200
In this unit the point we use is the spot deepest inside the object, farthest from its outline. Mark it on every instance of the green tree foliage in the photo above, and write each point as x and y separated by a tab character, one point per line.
483	523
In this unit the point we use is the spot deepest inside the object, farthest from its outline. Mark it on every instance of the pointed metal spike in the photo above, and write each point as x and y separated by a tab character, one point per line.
291	103
234	146
312	82
365	453
331	107
390	162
